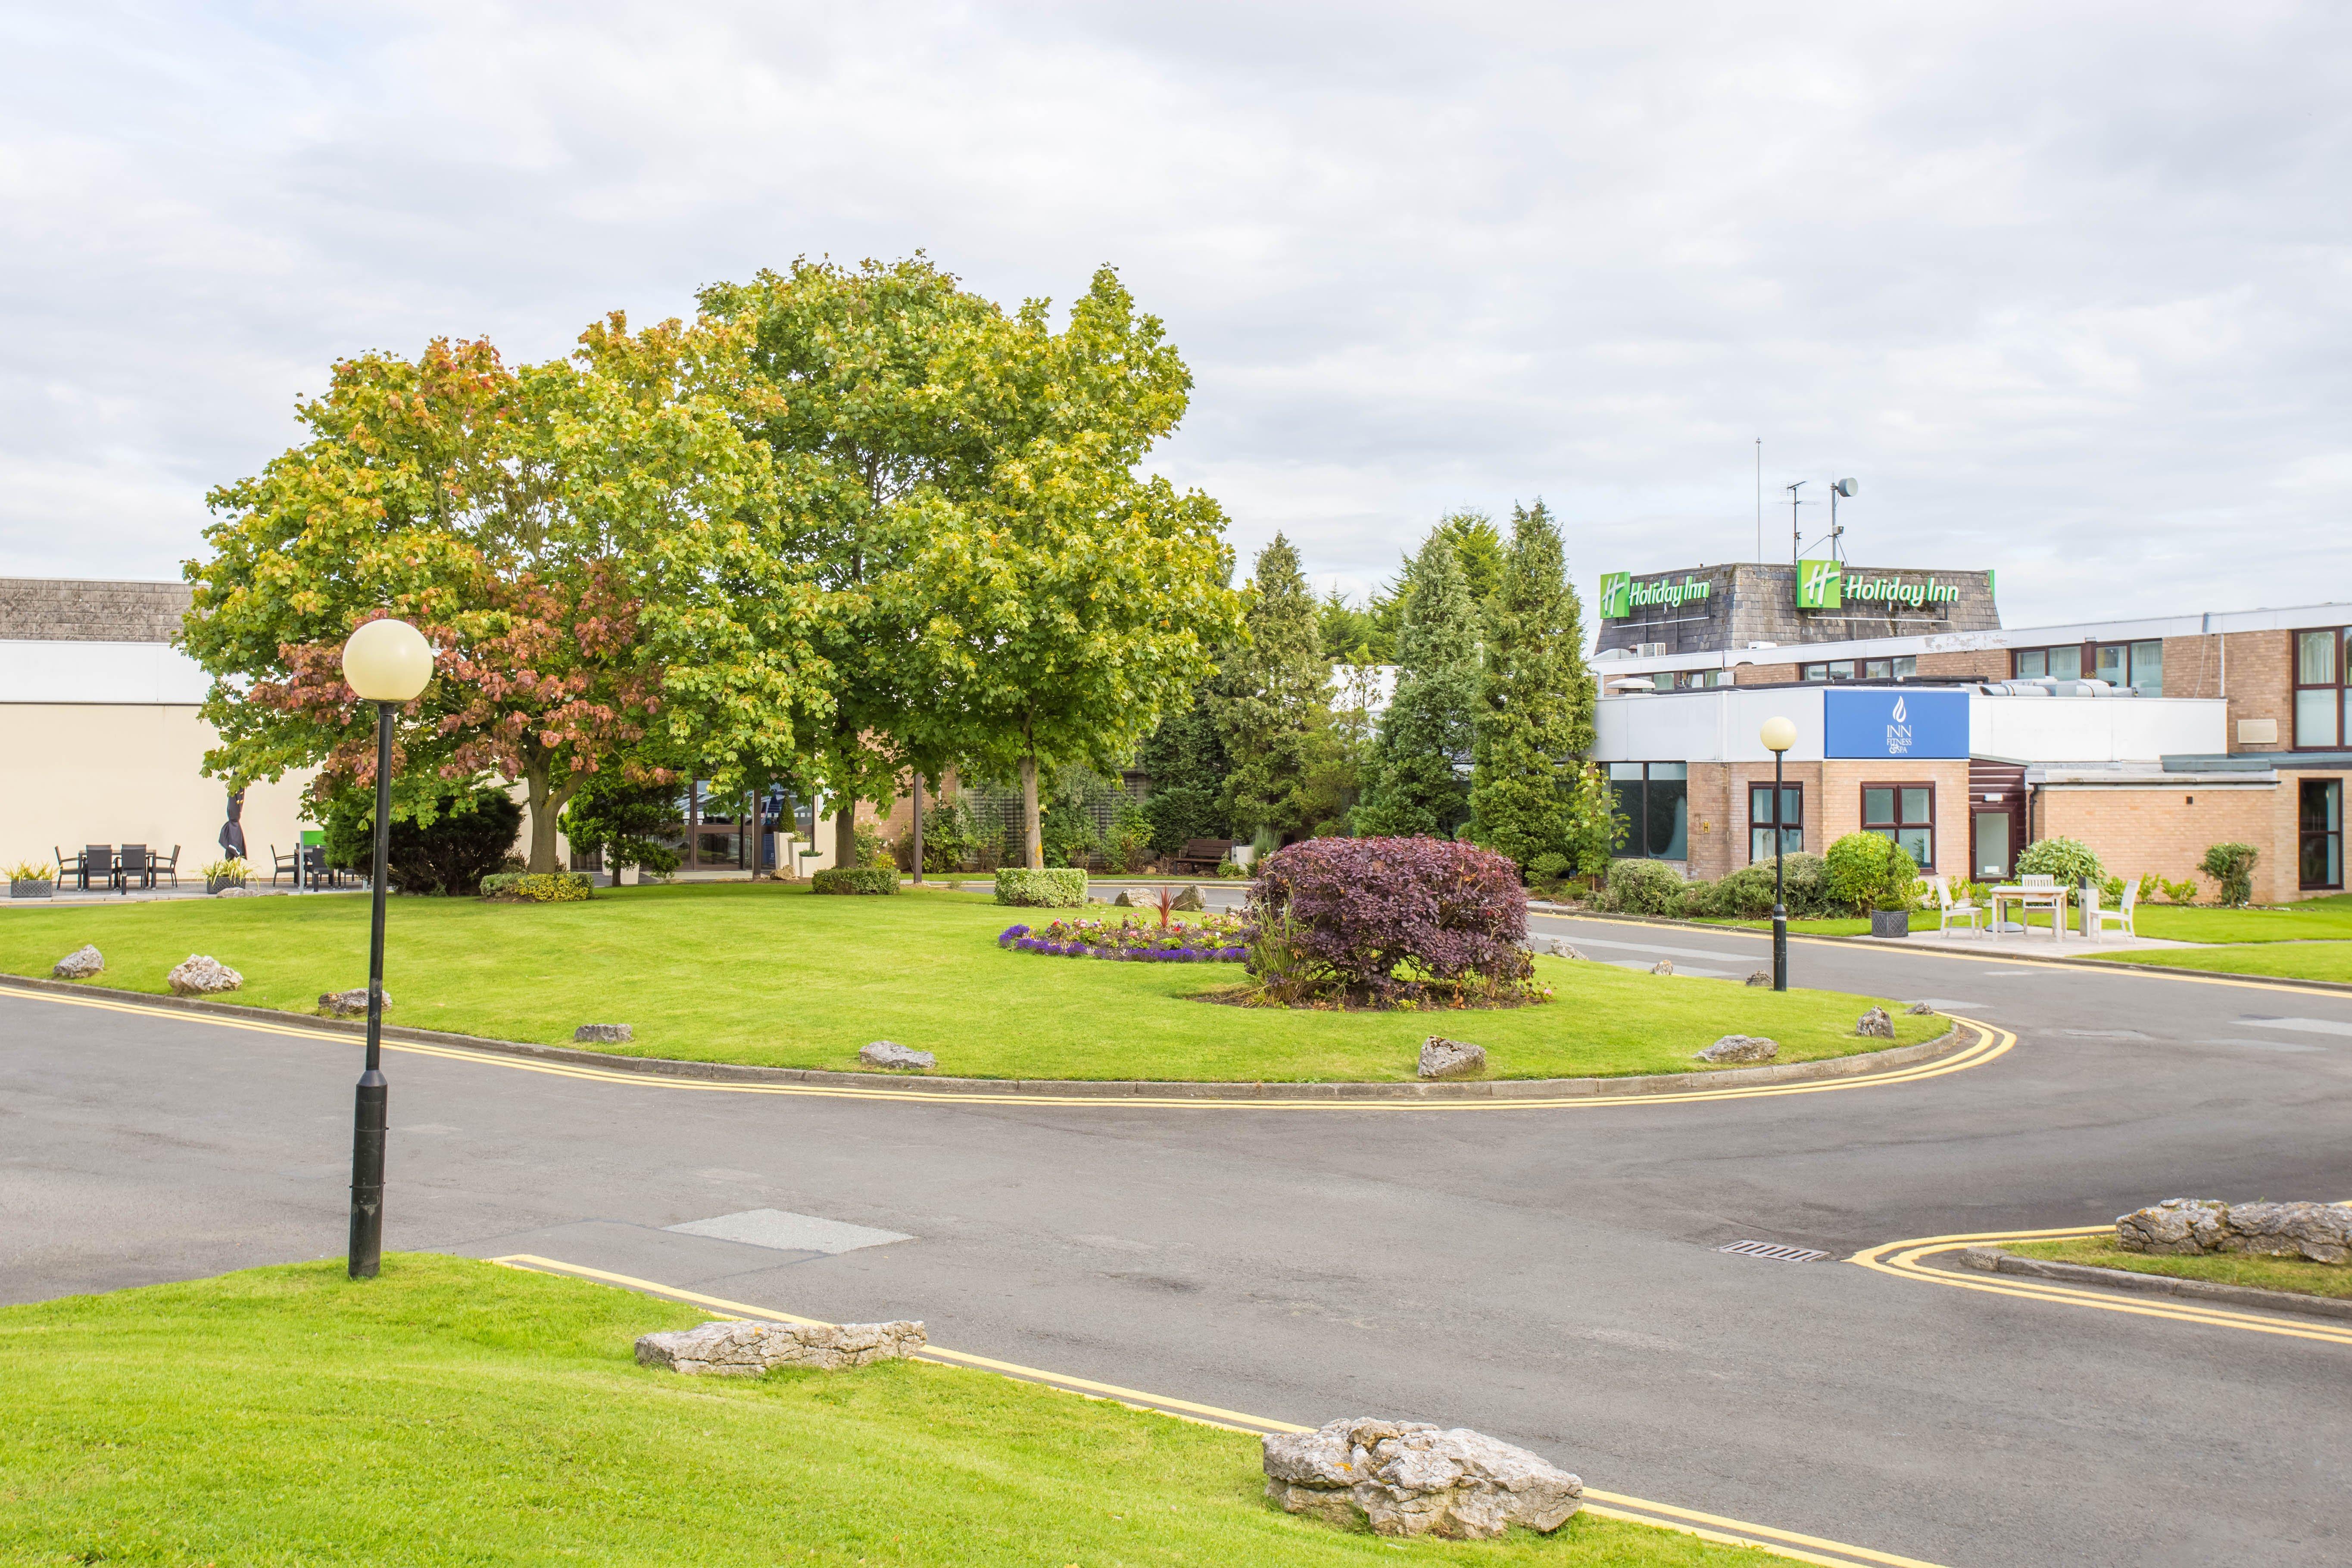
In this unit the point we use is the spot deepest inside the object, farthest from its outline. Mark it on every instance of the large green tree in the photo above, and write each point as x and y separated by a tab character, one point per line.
1415	785
592	547
1272	702
1535	708
1185	762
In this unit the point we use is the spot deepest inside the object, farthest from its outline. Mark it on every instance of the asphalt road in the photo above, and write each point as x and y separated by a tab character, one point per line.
1547	1276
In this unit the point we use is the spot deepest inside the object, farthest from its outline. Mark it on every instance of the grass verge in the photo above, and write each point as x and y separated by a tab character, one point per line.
775	976
456	1412
2313	919
2279	960
2227	1268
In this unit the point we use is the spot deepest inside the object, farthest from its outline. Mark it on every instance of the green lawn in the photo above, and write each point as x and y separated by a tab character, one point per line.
458	1411
2313	919
2285	960
2262	1273
772	974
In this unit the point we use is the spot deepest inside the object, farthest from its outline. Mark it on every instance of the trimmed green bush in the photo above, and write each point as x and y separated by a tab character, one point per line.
2233	865
1049	888
1701	900
1746	893
553	886
1645	888
1868	871
2068	859
498	882
857	879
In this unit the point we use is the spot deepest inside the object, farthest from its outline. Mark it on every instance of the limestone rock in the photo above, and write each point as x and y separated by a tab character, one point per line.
1741	1048
351	1003
202	975
2188	1226
80	965
1441	1057
890	1054
1409	1478
748	1349
1920	1010
1663	966
602	1033
1875	1025
1128	900
1761	977
1565	950
1189	900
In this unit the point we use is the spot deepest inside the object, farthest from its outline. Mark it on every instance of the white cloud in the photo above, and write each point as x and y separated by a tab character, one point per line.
2067	287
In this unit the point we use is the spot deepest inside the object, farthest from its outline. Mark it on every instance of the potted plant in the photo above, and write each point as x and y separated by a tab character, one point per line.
222	875
31	879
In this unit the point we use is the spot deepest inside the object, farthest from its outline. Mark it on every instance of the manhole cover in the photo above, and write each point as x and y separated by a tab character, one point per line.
1778	1254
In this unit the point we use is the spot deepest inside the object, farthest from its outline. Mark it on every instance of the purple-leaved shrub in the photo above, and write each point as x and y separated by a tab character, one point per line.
1376	921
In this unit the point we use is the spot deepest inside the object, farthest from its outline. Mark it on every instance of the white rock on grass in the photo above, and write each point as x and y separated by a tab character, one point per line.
1741	1048
2190	1226
1920	1010
351	1003
1761	977
746	1349
891	1054
1875	1025
1405	1477
602	1034
80	965
202	975
1441	1057
1663	966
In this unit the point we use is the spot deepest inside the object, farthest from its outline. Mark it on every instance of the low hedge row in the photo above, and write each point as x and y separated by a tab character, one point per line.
544	888
1051	888
856	880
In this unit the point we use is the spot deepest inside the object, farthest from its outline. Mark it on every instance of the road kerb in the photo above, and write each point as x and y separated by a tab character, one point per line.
1784	1543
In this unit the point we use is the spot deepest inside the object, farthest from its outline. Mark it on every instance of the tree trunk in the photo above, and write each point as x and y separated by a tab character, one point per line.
844	832
541	804
919	827
1032	842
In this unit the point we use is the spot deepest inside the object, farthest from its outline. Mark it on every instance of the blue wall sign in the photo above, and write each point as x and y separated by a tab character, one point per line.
1893	722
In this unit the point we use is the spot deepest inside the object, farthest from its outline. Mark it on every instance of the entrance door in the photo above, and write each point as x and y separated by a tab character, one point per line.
2322	832
1991	862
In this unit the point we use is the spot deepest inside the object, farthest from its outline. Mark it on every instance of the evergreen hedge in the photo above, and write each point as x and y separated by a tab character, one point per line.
857	879
1049	888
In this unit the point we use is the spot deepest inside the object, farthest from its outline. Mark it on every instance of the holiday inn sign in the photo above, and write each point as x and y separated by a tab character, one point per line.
1823	586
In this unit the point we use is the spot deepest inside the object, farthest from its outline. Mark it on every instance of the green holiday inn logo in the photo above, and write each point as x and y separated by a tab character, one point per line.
1616	596
1620	595
1820	584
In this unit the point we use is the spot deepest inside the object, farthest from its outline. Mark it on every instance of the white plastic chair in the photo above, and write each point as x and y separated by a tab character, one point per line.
1968	911
2101	919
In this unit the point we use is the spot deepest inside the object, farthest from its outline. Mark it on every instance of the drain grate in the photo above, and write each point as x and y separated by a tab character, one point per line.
1776	1254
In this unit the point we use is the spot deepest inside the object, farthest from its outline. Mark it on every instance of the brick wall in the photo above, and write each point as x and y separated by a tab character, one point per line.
1731	844
1763	674
1973	664
2261	678
2136	830
59	609
1840	812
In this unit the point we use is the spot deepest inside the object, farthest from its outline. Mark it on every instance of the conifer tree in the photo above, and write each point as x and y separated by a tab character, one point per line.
1185	761
1415	788
1535	711
1272	700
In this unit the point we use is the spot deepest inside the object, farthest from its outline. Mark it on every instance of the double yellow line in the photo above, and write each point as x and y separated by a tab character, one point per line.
1903	1259
1785	1544
1989	1043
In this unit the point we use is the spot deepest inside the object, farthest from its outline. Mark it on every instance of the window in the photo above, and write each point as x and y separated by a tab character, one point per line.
2322	815
2138	664
1759	820
1905	813
1864	670
1656	800
1694	680
2319	694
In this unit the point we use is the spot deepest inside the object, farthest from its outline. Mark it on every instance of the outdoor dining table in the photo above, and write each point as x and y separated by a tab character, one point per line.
2027	900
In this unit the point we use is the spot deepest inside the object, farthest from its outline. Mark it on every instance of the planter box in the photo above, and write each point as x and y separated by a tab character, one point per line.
221	884
43	889
1890	922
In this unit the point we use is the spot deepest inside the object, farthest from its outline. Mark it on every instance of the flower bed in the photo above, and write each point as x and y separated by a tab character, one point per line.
1212	938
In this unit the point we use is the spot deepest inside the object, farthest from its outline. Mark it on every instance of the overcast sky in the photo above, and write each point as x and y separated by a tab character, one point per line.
2066	288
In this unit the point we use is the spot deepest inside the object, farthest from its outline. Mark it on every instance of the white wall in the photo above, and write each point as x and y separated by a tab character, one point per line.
1716	725
2096	729
88	672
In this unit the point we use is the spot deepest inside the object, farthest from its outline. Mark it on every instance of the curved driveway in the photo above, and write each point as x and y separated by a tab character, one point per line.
1550	1278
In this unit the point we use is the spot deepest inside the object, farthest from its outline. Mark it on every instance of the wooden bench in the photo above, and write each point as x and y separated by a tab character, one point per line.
1204	854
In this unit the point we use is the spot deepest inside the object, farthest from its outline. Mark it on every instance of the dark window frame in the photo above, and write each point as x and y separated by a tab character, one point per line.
2305	835
1764	824
2086	656
1636	845
1897	667
2342	646
1893	830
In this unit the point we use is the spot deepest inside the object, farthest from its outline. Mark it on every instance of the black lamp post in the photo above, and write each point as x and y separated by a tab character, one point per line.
387	663
1778	735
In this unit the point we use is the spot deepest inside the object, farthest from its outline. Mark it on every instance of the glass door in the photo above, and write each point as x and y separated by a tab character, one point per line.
2322	832
1991	846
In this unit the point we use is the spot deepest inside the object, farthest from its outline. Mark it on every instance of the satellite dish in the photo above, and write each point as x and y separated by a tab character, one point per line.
1845	487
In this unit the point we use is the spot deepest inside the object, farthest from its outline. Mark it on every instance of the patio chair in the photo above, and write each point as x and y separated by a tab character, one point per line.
67	870
97	860
2101	919
132	866
284	866
1967	911
161	866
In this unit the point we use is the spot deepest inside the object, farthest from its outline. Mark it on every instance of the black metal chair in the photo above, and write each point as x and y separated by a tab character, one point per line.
67	870
132	865
97	860
284	865
158	866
